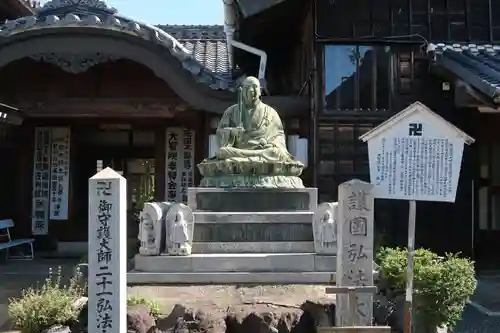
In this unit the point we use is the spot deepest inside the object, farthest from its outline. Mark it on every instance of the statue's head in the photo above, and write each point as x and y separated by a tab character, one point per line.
250	90
179	217
327	217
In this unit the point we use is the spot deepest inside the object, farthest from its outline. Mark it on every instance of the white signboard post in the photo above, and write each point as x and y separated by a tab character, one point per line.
415	155
107	276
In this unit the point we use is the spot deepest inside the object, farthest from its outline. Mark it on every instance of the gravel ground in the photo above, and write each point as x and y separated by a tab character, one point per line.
219	298
13	277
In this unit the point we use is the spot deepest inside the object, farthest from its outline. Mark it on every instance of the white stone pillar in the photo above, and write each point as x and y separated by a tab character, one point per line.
107	252
291	144
297	147
302	149
355	249
213	145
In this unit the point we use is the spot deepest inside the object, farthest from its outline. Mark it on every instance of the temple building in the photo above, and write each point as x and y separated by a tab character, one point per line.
361	62
97	89
89	88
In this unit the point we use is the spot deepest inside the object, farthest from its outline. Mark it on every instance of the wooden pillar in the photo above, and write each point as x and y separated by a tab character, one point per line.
160	162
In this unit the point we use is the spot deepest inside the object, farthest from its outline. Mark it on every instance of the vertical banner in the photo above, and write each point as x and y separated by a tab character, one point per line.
187	178
180	163
59	176
172	147
41	181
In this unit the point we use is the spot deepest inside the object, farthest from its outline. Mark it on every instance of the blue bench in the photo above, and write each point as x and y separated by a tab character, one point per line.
6	242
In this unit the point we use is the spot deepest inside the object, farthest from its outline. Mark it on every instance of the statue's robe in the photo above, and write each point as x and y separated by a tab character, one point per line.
261	122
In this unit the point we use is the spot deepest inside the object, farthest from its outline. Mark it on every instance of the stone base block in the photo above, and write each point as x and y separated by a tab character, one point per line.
252	181
253	247
236	262
239	278
229	200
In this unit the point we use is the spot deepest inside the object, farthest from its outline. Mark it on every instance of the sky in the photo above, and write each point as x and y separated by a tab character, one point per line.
171	11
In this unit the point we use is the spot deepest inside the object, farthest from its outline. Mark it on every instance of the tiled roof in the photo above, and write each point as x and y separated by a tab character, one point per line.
478	65
206	43
202	50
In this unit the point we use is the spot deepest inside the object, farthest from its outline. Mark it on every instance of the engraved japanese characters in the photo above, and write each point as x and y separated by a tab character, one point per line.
107	285
325	228
355	249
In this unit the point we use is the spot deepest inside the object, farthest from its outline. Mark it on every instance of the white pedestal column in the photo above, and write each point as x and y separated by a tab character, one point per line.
107	271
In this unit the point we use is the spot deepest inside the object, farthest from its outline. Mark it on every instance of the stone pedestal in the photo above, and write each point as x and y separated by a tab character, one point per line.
245	235
252	199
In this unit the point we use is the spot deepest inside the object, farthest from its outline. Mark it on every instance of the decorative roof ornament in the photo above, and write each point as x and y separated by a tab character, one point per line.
84	4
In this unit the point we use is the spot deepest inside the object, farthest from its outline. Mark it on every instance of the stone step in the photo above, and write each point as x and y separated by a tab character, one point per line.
239	278
255	217
253	232
253	247
236	262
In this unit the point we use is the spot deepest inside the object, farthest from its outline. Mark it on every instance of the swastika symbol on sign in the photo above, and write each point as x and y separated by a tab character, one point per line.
415	129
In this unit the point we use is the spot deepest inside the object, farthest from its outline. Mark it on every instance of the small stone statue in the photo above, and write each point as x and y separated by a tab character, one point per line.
325	228
150	229
179	237
329	233
252	145
146	231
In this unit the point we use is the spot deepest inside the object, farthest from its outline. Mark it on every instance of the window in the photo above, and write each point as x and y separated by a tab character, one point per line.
397	20
342	155
356	77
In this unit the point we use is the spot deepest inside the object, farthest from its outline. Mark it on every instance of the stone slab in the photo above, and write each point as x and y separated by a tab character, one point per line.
252	199
253	247
236	262
253	232
239	278
256	217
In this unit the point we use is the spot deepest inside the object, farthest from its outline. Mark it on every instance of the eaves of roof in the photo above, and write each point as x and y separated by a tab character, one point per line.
206	58
477	65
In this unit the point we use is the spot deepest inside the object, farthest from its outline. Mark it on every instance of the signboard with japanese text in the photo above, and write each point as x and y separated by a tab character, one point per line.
180	163
107	252
41	181
416	155
59	176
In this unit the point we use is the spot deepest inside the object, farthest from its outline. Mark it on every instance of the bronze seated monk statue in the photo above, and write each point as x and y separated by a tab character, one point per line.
252	145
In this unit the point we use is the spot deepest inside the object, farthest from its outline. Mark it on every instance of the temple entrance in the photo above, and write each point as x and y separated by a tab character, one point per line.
128	151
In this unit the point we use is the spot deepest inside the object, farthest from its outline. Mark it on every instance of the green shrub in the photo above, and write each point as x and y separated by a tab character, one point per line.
154	308
50	304
441	285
